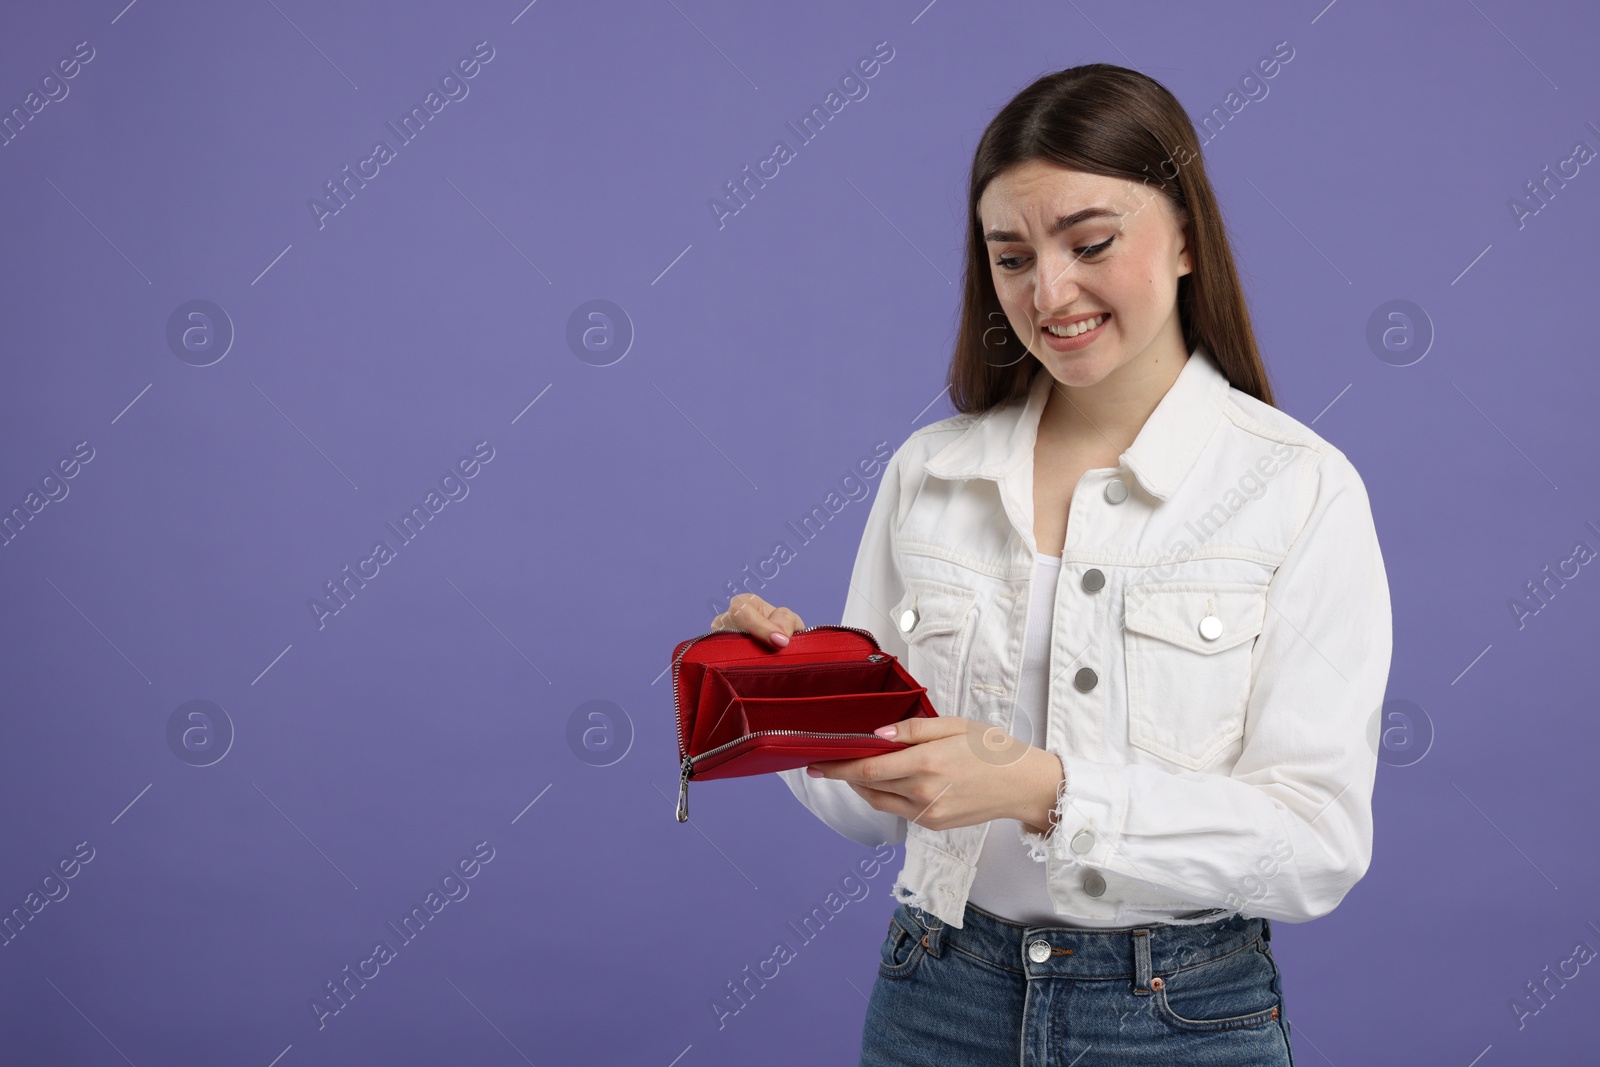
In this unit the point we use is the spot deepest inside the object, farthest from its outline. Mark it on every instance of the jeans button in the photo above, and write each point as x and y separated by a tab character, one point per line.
1038	951
1085	679
1094	580
1082	842
1093	884
1116	492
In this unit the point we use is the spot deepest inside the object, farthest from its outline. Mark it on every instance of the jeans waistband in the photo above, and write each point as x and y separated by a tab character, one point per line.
1138	952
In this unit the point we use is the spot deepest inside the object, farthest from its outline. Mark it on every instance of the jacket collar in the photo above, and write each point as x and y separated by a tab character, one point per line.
996	444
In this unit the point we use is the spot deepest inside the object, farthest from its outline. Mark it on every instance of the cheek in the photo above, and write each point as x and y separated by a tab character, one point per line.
1138	284
1131	292
1014	295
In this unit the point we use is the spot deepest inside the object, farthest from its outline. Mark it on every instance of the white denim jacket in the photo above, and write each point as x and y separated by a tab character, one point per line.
1221	644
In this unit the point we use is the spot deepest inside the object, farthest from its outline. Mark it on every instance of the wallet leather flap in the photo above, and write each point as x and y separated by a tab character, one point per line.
745	708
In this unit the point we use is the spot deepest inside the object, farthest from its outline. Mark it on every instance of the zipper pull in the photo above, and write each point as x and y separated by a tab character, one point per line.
683	791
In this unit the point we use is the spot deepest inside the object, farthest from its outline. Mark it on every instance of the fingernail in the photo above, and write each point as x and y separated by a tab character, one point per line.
813	772
780	639
885	731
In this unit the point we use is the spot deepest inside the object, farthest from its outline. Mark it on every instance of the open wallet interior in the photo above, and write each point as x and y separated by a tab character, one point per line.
745	708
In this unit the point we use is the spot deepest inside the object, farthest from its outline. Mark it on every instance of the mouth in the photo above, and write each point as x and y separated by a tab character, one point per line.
1076	334
1073	329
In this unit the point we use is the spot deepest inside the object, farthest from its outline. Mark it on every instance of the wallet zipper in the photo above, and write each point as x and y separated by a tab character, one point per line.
686	768
688	763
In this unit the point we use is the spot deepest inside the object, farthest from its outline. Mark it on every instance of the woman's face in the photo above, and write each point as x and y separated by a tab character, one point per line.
1120	255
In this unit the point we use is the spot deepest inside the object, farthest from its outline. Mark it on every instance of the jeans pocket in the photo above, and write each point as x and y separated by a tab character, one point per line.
1237	991
903	947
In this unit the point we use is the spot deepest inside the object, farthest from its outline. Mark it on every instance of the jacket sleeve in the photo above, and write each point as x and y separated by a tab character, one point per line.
875	588
1288	831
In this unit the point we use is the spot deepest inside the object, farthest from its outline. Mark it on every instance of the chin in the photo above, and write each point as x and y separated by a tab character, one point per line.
1079	368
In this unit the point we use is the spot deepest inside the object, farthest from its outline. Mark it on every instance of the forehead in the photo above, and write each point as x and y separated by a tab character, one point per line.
1032	195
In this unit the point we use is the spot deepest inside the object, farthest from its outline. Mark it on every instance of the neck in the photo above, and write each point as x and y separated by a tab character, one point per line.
1114	409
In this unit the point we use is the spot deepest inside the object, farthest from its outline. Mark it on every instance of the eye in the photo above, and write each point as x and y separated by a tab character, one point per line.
1014	263
1094	250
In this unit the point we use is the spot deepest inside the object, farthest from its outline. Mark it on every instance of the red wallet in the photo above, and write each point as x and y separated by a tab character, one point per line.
744	707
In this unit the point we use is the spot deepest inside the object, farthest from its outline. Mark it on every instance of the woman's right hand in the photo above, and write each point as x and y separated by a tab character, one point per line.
752	615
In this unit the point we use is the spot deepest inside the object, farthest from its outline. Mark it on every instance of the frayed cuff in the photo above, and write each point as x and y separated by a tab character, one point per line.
1038	845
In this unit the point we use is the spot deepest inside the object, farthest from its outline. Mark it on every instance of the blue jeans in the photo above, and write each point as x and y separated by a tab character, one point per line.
998	992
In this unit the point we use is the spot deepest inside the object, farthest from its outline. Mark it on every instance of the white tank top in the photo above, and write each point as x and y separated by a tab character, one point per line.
1009	882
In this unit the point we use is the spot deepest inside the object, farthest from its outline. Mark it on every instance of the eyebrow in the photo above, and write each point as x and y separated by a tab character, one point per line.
1060	224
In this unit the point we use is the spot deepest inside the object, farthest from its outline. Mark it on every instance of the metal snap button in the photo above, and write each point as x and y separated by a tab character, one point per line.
1093	884
1085	679
1093	580
1082	842
1116	492
1038	951
908	620
1210	627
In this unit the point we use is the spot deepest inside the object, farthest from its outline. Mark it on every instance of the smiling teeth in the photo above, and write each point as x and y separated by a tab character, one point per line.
1076	328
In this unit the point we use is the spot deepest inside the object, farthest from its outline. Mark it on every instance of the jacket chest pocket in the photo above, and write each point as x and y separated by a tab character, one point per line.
1188	647
936	621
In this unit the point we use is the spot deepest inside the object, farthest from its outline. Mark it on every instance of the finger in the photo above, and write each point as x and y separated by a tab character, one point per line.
920	728
880	771
750	613
724	622
786	621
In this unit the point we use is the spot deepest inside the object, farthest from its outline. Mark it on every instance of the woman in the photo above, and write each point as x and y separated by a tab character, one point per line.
1149	607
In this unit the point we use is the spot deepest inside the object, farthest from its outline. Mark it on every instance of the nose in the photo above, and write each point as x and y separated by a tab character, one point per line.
1056	284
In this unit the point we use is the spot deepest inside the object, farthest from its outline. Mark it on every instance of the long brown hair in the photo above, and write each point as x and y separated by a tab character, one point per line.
1102	119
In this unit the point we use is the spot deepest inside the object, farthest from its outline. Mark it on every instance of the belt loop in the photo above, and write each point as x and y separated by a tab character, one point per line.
932	932
1141	962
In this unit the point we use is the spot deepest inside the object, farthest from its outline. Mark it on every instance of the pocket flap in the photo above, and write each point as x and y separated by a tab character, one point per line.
930	608
1174	611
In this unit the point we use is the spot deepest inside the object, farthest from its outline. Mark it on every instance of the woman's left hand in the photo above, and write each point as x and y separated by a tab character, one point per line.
956	772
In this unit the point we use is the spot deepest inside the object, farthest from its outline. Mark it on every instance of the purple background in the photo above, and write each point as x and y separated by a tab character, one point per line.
764	357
